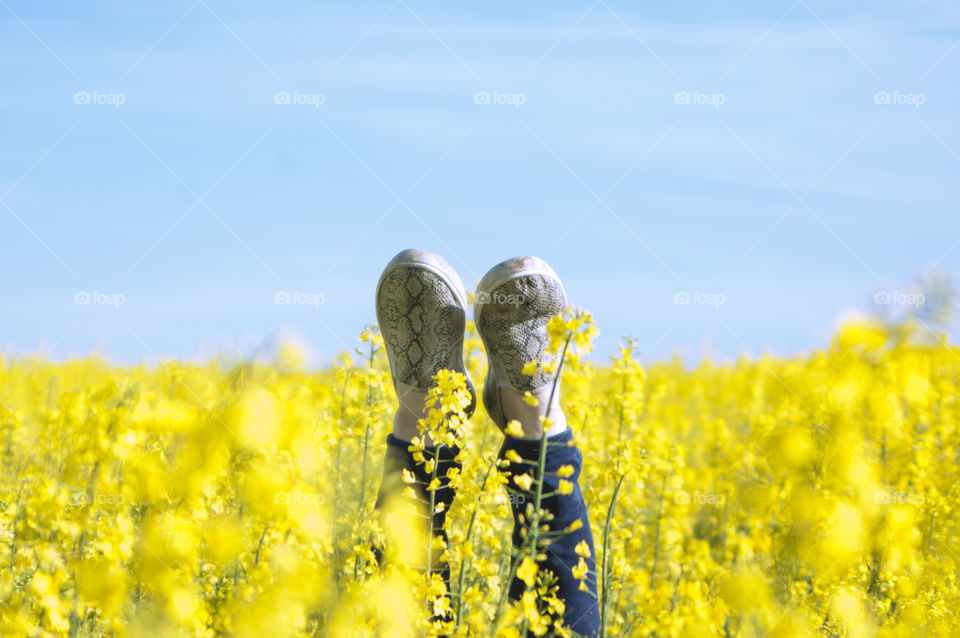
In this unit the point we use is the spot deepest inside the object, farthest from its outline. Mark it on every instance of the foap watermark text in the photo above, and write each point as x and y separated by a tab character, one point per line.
697	298
298	298
716	100
98	98
498	98
299	98
84	298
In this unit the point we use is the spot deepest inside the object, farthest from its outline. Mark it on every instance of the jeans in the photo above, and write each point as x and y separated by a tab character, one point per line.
581	608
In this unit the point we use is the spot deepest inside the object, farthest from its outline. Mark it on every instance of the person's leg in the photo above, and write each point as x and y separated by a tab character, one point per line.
514	303
421	310
570	552
400	458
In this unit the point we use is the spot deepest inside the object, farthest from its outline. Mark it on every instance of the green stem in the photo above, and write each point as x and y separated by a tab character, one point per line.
605	592
433	505
13	531
515	563
656	547
512	572
357	562
336	491
542	459
366	445
469	535
541	468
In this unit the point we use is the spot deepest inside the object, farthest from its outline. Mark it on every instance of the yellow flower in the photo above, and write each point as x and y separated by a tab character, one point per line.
210	498
581	569
527	572
524	481
514	428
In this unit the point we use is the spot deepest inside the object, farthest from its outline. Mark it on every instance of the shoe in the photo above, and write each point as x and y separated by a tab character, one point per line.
422	313
512	305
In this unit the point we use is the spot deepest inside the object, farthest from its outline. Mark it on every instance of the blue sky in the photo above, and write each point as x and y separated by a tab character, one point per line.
738	151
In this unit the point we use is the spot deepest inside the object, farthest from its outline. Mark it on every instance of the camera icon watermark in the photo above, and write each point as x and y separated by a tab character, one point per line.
84	298
898	298
299	498
500	298
883	98
884	497
683	497
82	499
298	298
516	100
298	98
696	298
684	98
85	98
514	499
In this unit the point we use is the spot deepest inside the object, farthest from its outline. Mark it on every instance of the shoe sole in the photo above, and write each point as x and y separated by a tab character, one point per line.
512	306
422	312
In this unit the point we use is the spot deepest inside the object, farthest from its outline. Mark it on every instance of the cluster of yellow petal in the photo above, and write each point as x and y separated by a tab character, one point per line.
815	495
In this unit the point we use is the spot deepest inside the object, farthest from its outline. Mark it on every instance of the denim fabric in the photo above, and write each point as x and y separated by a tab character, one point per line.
582	610
399	458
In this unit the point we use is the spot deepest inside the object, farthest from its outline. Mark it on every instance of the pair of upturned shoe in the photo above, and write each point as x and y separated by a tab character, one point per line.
422	312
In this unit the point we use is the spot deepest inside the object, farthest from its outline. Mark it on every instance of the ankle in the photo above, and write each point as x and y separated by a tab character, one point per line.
516	407
411	408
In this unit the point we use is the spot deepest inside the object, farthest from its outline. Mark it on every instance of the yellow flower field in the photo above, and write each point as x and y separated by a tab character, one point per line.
812	496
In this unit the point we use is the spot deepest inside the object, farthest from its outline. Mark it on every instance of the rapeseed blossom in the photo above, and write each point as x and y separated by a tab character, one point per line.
806	496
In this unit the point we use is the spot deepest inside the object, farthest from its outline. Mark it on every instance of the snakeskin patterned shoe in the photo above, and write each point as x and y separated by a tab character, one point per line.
512	305
422	312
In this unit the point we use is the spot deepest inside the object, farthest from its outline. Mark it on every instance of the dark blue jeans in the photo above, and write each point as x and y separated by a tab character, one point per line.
397	459
581	608
582	611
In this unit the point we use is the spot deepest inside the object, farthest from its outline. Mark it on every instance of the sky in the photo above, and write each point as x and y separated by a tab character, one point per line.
712	179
